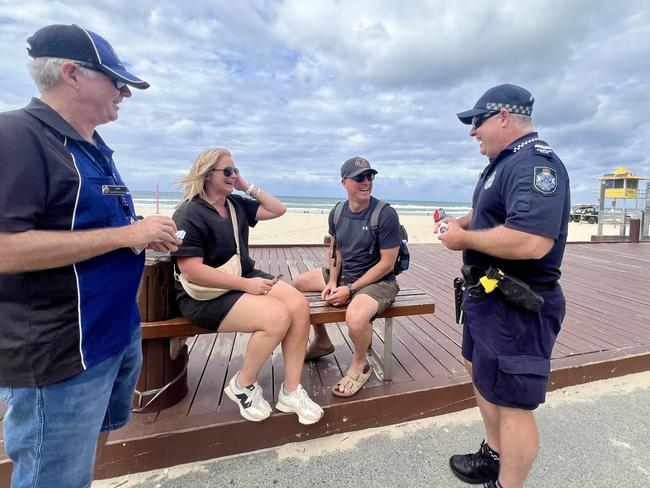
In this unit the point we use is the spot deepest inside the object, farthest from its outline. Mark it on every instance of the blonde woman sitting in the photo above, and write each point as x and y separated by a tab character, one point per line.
273	312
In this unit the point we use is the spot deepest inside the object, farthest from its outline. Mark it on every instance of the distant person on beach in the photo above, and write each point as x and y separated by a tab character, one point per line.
356	276
71	263
272	311
518	224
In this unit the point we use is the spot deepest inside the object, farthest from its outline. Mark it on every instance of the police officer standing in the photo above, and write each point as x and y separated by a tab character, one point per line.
518	224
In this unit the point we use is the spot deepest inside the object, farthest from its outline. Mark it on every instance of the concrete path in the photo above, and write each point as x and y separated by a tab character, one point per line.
593	436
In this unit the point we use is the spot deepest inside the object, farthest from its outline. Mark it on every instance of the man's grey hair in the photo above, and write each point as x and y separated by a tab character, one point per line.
46	72
522	121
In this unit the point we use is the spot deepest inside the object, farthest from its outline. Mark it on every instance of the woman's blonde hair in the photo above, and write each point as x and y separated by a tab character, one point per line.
195	179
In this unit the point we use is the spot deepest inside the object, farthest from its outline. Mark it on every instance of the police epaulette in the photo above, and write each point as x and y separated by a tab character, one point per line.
542	149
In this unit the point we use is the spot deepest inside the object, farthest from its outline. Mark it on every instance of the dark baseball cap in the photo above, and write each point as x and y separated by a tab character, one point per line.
513	98
79	44
355	166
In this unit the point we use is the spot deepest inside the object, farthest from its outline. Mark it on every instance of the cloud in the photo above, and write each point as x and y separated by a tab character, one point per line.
294	88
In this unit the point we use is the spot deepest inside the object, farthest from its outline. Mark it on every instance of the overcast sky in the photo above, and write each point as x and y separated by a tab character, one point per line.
294	88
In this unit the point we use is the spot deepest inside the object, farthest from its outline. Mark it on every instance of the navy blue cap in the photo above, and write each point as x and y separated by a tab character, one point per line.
355	166
513	98
79	44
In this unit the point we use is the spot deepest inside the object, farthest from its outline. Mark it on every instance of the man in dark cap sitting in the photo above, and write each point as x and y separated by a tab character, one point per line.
71	263
518	224
360	270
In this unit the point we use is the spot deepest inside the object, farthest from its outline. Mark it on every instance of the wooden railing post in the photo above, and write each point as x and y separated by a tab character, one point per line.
635	230
163	378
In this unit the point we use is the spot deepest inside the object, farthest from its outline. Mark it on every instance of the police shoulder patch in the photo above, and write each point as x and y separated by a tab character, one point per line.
544	180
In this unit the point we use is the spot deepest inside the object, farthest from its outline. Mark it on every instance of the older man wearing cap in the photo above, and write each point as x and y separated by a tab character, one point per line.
518	225
360	270
71	263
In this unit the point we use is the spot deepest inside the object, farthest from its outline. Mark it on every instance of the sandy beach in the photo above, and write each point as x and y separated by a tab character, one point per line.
311	228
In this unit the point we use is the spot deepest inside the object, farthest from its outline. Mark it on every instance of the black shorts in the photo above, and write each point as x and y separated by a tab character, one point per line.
210	313
510	348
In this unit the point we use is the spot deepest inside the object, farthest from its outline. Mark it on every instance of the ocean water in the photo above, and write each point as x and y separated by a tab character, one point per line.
169	200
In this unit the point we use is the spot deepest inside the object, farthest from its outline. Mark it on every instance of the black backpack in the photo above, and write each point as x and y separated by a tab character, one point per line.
403	257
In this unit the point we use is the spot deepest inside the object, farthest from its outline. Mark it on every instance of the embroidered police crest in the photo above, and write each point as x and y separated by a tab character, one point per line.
489	181
545	180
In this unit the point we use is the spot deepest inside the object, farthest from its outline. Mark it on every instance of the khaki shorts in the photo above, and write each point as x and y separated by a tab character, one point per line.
384	291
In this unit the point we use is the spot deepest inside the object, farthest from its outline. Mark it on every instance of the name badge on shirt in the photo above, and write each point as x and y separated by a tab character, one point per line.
114	190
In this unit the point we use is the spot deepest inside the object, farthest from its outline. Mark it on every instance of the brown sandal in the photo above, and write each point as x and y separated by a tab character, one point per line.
315	352
352	381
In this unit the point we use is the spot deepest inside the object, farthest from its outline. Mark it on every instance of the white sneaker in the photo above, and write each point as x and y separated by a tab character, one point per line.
252	405
309	412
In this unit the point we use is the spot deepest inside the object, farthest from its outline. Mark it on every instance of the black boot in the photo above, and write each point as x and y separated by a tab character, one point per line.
480	467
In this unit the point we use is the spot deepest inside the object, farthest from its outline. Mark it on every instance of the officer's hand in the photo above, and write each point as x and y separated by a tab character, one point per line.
453	237
442	225
151	231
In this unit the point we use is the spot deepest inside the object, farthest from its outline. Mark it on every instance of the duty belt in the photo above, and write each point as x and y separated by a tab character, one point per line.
480	283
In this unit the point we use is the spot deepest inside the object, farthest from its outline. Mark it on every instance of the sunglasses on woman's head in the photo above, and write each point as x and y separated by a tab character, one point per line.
361	177
227	171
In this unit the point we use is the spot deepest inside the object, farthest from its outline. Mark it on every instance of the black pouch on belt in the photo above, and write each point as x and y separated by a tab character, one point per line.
516	291
472	275
459	285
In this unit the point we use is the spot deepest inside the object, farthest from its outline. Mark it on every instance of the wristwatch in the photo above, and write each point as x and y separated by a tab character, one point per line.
352	292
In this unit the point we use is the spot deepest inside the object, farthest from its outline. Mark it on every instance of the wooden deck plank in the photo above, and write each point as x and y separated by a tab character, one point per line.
202	347
329	367
606	333
215	378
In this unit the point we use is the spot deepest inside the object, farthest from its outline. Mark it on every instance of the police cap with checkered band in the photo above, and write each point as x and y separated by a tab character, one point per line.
513	98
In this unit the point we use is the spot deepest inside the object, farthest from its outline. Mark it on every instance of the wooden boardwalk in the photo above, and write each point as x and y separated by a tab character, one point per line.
606	333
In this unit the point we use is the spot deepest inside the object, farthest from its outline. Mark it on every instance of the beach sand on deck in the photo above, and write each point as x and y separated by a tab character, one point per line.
310	228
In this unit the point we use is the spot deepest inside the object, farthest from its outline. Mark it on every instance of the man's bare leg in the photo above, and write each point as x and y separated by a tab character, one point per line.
313	281
519	445
483	465
361	309
490	414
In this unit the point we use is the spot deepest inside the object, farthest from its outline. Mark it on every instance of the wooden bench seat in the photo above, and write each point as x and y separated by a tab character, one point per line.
409	301
163	379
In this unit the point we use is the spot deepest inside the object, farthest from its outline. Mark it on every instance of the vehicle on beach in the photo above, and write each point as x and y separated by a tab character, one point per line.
584	213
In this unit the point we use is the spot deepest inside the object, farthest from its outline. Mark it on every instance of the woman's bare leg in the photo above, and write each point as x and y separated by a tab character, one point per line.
294	343
313	281
267	330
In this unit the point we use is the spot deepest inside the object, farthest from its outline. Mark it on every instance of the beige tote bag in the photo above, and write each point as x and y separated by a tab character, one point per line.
232	266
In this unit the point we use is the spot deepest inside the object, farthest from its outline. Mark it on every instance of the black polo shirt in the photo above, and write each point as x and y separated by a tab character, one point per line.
210	236
525	188
57	322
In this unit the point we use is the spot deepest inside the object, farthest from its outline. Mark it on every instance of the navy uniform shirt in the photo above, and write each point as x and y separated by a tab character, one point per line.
525	188
57	322
354	238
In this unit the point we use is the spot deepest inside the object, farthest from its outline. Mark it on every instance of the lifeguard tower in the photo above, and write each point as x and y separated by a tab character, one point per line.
621	183
622	199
